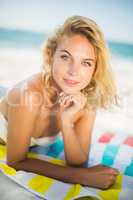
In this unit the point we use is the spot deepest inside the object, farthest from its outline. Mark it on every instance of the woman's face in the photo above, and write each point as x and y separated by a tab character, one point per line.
73	63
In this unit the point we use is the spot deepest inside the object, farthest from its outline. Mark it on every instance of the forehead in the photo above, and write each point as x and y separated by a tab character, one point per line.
76	44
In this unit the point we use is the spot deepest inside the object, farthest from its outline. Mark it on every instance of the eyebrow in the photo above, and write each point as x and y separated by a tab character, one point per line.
89	59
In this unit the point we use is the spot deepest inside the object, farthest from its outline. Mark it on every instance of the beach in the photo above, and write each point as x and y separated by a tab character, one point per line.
18	62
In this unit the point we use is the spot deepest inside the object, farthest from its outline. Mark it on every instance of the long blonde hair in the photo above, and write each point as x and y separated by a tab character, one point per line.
101	91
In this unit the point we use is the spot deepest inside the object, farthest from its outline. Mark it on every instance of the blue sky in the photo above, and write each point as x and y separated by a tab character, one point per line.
113	16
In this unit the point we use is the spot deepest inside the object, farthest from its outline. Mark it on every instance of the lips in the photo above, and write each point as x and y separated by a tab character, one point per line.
71	82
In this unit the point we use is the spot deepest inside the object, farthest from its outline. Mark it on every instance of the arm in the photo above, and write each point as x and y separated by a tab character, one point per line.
62	173
21	126
77	138
21	121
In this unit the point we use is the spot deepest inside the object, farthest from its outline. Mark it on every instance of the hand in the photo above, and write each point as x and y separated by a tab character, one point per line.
99	176
70	104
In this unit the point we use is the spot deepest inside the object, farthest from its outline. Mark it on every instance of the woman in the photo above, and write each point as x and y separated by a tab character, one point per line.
76	80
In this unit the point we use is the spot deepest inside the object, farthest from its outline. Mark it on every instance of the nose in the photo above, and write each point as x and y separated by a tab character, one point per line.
72	70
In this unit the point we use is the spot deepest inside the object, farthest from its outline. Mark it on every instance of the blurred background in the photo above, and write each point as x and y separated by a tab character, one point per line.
25	25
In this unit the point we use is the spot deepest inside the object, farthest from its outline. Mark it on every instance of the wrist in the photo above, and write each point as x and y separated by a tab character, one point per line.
67	118
80	176
67	123
77	175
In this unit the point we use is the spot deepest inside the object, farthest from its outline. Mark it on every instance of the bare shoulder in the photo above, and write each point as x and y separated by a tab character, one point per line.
25	93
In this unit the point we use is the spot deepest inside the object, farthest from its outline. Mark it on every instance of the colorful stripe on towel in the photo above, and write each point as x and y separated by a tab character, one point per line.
111	151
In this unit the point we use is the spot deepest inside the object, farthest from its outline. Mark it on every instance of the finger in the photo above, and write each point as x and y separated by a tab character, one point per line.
80	99
116	171
113	180
65	100
76	101
113	171
62	93
61	97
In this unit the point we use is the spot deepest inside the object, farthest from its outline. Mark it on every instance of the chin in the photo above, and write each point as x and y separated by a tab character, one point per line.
70	90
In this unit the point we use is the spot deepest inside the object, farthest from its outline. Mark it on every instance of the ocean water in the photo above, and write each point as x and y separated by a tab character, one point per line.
27	39
20	39
21	56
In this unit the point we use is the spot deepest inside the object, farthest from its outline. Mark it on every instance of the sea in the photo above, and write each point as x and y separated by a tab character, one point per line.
21	56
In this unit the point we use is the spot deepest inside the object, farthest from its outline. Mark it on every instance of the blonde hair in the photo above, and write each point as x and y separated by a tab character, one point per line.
101	91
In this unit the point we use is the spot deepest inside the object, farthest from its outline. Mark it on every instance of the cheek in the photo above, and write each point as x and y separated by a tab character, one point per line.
86	73
57	71
86	76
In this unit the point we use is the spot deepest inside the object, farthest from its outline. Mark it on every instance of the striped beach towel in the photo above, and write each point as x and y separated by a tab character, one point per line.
110	149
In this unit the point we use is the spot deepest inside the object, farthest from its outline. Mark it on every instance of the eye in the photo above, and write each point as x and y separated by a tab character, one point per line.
64	57
87	64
